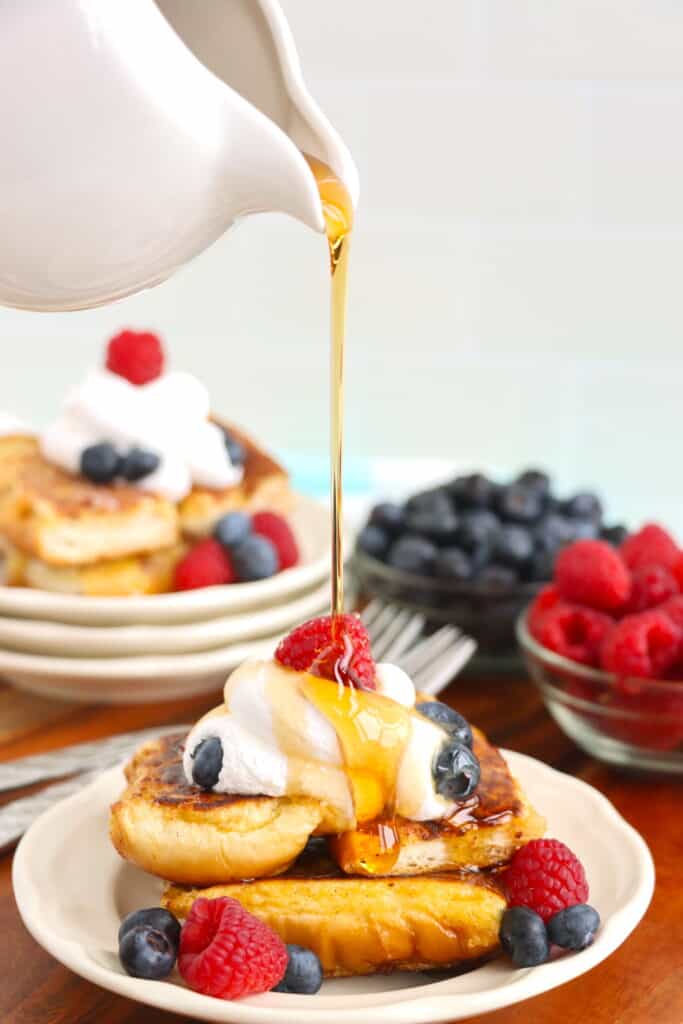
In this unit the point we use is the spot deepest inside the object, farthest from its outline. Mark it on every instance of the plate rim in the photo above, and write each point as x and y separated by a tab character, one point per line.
424	1004
70	633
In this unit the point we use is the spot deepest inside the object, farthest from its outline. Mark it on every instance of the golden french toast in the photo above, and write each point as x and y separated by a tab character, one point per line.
67	520
181	833
361	925
14	450
184	834
265	485
150	573
485	831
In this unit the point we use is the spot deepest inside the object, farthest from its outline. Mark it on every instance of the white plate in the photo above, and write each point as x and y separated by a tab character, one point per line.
309	520
53	638
77	923
129	680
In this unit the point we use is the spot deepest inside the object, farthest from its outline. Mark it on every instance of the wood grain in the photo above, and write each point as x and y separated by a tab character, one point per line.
642	983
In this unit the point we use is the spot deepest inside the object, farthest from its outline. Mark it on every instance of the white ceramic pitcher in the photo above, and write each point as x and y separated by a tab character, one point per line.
134	133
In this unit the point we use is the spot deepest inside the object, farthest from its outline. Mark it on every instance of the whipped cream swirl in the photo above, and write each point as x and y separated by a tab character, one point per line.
168	416
266	741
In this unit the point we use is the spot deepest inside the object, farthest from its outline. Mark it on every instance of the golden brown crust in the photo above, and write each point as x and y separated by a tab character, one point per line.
66	520
361	925
485	830
265	485
179	832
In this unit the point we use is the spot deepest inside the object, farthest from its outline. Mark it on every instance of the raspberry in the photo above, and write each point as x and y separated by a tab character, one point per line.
136	355
228	953
650	546
647	715
591	572
644	646
206	565
277	530
576	633
674	609
651	585
545	876
334	647
545	600
677	570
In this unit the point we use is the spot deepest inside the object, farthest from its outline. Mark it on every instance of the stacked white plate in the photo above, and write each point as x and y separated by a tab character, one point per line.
161	647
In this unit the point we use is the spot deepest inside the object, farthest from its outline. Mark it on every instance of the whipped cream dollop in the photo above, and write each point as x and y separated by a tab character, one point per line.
168	416
275	742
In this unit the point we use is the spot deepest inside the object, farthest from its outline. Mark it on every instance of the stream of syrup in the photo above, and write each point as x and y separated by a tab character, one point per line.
352	722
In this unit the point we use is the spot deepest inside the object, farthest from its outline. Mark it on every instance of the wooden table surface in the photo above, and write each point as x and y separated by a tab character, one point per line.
642	983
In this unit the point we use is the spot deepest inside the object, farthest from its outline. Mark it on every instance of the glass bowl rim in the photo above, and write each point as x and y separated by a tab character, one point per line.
558	661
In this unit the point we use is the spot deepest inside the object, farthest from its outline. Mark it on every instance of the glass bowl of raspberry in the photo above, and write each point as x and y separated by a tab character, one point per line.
604	644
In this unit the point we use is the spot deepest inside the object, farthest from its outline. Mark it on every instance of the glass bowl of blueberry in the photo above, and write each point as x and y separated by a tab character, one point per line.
604	644
473	551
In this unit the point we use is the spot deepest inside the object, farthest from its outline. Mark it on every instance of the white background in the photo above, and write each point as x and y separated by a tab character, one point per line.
516	275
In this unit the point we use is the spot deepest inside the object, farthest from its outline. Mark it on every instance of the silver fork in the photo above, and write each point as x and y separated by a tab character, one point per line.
431	662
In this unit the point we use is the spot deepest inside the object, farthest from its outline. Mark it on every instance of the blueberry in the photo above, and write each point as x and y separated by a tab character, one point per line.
373	540
304	974
584	505
100	462
435	502
519	505
535	480
154	917
456	770
514	546
236	450
473	491
138	463
412	554
145	952
388	515
496	575
574	927
586	529
207	761
478	527
553	531
450	720
232	528
615	535
523	937
452	564
541	566
255	559
440	526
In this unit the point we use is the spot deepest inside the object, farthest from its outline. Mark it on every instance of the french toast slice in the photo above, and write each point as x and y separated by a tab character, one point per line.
150	573
265	485
368	925
66	520
181	833
14	450
484	832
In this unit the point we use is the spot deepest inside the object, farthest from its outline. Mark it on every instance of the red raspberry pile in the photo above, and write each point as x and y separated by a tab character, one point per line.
333	647
621	610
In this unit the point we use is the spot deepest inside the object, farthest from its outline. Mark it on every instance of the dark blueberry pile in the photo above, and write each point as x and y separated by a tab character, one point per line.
474	529
102	463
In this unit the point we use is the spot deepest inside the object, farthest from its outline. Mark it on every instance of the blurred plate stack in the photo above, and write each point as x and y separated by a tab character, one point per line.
165	646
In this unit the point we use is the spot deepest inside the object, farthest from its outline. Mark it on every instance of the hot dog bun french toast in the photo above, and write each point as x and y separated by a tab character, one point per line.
134	470
349	814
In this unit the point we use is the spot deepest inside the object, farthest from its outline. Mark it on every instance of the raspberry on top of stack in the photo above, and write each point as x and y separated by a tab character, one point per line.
113	496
